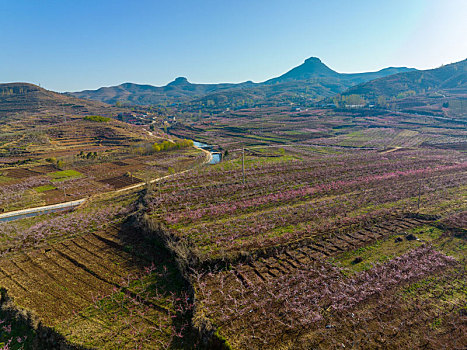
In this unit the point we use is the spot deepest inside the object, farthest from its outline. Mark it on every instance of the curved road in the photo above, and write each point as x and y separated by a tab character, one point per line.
18	214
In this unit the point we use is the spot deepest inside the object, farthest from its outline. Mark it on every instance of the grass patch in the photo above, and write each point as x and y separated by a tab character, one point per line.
453	246
45	188
97	118
64	174
5	179
449	290
384	250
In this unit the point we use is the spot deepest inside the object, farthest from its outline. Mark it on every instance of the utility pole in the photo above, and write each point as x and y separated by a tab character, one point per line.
243	164
419	194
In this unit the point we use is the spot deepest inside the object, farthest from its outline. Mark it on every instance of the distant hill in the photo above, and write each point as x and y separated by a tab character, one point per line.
313	68
24	97
179	90
451	78
311	80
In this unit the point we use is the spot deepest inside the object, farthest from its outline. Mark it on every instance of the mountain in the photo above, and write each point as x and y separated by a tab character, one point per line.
313	68
180	90
24	97
450	78
311	80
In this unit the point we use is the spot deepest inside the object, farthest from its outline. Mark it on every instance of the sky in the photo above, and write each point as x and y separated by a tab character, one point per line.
86	44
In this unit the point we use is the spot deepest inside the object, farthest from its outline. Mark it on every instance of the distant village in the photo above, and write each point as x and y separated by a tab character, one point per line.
139	118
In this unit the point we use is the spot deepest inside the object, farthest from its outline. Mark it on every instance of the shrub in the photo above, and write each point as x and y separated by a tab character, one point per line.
97	118
168	145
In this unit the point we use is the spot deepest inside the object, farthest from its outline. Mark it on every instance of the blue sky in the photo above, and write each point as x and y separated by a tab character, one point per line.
81	44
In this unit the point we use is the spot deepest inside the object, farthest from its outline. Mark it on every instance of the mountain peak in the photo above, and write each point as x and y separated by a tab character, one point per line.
314	60
179	81
311	68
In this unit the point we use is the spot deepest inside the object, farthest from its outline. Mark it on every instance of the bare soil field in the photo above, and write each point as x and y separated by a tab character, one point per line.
121	181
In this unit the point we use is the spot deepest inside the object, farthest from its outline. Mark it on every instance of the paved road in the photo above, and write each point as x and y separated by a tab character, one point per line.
11	215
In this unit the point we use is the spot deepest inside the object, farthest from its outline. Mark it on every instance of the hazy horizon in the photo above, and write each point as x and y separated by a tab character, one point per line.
87	45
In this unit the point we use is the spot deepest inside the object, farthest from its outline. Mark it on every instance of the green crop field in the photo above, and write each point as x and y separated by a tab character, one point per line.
63	174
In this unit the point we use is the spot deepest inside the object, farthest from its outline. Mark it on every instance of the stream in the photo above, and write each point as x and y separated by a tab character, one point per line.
216	156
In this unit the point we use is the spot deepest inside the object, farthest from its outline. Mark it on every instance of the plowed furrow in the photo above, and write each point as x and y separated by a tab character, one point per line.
334	246
39	296
71	281
110	255
375	233
357	237
116	254
110	271
324	250
276	268
10	282
300	257
257	272
92	284
57	281
292	260
285	264
77	263
248	273
311	253
109	242
245	281
345	241
77	279
41	281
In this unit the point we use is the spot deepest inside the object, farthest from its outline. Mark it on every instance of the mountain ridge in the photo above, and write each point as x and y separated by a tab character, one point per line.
19	97
451	77
311	78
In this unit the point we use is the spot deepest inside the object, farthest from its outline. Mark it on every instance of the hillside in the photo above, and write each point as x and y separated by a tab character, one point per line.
24	97
452	78
311	80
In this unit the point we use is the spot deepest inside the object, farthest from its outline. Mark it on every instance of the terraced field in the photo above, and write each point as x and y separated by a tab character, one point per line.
347	127
302	254
91	280
318	248
64	277
295	197
309	251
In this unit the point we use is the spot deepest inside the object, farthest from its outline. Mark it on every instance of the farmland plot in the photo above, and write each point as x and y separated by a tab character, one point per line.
321	196
314	245
86	271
